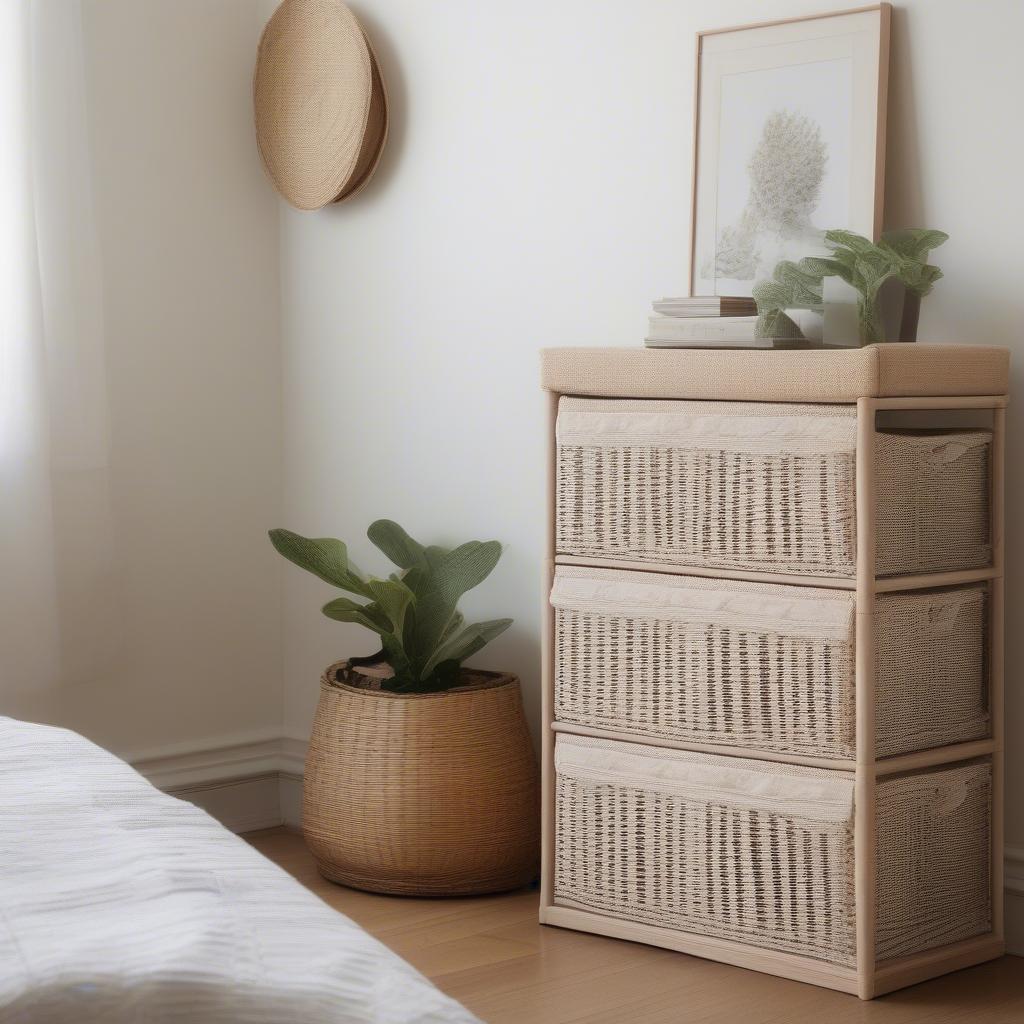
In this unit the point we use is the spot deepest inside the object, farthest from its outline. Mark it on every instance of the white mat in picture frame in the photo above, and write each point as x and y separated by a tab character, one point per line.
789	141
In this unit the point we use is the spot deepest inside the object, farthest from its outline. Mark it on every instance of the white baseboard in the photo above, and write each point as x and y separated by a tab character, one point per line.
290	789
241	805
242	756
255	781
293	756
290	780
237	780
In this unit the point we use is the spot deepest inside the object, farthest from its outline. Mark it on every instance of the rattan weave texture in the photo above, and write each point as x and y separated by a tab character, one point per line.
931	668
932	501
432	794
933	843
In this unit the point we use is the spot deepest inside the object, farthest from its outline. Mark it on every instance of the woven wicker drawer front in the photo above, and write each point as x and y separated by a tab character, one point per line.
736	485
763	853
719	846
705	661
761	666
762	487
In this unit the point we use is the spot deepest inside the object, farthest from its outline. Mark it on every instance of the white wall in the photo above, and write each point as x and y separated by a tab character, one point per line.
189	253
536	192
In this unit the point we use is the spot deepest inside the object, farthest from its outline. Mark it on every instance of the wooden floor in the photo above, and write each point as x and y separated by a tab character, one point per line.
491	954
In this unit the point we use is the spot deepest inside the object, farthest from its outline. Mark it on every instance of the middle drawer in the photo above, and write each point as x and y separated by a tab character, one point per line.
764	666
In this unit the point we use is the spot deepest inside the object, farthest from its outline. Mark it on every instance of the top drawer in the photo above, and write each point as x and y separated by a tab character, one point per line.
763	487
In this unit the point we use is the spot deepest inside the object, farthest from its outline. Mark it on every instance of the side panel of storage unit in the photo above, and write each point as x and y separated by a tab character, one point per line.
933	500
931	668
934	834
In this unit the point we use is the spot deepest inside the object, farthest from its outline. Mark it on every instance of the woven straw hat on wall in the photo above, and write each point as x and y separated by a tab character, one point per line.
320	104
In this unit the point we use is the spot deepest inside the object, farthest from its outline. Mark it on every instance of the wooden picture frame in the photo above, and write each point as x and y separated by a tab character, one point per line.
762	92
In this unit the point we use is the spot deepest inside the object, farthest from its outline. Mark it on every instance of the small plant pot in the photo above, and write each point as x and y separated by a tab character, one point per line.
898	311
422	794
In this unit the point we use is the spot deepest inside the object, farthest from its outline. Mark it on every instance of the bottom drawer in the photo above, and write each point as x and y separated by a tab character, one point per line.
762	853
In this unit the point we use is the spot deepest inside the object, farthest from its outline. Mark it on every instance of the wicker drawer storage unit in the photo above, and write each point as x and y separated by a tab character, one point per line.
773	660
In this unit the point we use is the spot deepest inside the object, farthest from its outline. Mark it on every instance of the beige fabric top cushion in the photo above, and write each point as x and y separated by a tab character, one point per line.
816	375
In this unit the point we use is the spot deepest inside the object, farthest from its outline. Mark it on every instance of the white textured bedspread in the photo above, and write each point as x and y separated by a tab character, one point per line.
119	903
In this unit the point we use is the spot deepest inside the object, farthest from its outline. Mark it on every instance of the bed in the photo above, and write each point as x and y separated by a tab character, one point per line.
119	903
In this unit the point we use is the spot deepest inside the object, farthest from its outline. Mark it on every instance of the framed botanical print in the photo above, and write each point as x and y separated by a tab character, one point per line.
789	142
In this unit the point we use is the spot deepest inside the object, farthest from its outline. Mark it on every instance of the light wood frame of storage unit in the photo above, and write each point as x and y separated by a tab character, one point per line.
879	370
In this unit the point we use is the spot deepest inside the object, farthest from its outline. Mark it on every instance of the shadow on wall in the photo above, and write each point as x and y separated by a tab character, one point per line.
903	203
988	318
397	93
518	648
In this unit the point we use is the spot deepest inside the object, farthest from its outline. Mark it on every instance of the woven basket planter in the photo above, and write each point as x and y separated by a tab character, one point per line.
764	666
763	487
763	853
426	794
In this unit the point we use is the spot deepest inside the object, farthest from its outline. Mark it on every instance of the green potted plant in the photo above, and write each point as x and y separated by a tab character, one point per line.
420	776
899	258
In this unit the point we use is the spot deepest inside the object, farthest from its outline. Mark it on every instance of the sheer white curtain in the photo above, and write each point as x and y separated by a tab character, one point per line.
55	529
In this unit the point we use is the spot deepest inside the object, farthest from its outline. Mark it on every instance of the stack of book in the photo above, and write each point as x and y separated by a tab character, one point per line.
705	321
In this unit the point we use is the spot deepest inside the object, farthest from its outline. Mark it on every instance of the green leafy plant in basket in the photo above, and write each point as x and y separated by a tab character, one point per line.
862	264
423	635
